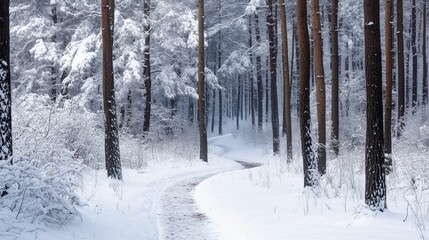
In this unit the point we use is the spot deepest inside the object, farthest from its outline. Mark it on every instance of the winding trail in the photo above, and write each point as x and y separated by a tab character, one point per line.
179	217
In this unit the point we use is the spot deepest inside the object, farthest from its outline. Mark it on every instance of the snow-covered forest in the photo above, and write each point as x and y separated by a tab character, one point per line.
227	119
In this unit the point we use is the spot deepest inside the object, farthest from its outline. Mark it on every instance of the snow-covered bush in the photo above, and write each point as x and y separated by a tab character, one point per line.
40	192
52	145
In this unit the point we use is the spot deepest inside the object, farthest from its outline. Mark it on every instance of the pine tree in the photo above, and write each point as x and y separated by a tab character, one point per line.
201	84
5	88
401	65
320	85
147	70
389	79
113	162
335	78
287	123
375	185
273	76
309	163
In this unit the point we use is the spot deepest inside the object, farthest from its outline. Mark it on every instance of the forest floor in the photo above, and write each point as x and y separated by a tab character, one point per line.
220	200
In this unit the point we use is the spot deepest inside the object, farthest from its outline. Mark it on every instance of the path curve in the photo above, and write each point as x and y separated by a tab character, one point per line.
179	216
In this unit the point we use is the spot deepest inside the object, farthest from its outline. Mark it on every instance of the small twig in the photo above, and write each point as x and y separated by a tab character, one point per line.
22	202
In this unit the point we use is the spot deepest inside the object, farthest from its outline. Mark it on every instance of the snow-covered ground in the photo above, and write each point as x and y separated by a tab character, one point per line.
222	201
269	202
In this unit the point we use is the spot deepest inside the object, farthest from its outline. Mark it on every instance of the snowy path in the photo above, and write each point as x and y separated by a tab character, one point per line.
179	217
179	214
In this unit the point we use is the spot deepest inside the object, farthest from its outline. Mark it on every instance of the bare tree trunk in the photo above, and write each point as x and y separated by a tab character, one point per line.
238	104
267	89
286	80
309	163
201	83
425	58
320	85
401	73
414	52
259	84
5	89
389	81
113	161
375	185
53	67
251	77
273	73
147	70
335	79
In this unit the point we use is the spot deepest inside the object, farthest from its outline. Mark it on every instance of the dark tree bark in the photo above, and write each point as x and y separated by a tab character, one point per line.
287	123
309	163
251	77
113	161
414	52
401	70
267	89
5	85
201	84
147	70
320	85
335	79
389	80
259	84
191	110
238	104
5	89
219	62
375	185
425	57
53	67
273	75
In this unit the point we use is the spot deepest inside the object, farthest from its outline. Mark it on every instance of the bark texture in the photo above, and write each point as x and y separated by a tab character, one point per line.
147	71
335	79
309	163
5	87
375	185
286	83
112	156
401	64
320	86
201	81
273	77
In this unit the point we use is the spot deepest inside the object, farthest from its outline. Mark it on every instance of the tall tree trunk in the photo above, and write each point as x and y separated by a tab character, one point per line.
375	185
414	52
259	84
238	104
389	80
286	81
425	58
251	77
401	65
5	86
147	70
113	161
201	83
273	73
267	89
191	110
309	163
5	89
53	67
335	79
320	85
219	62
